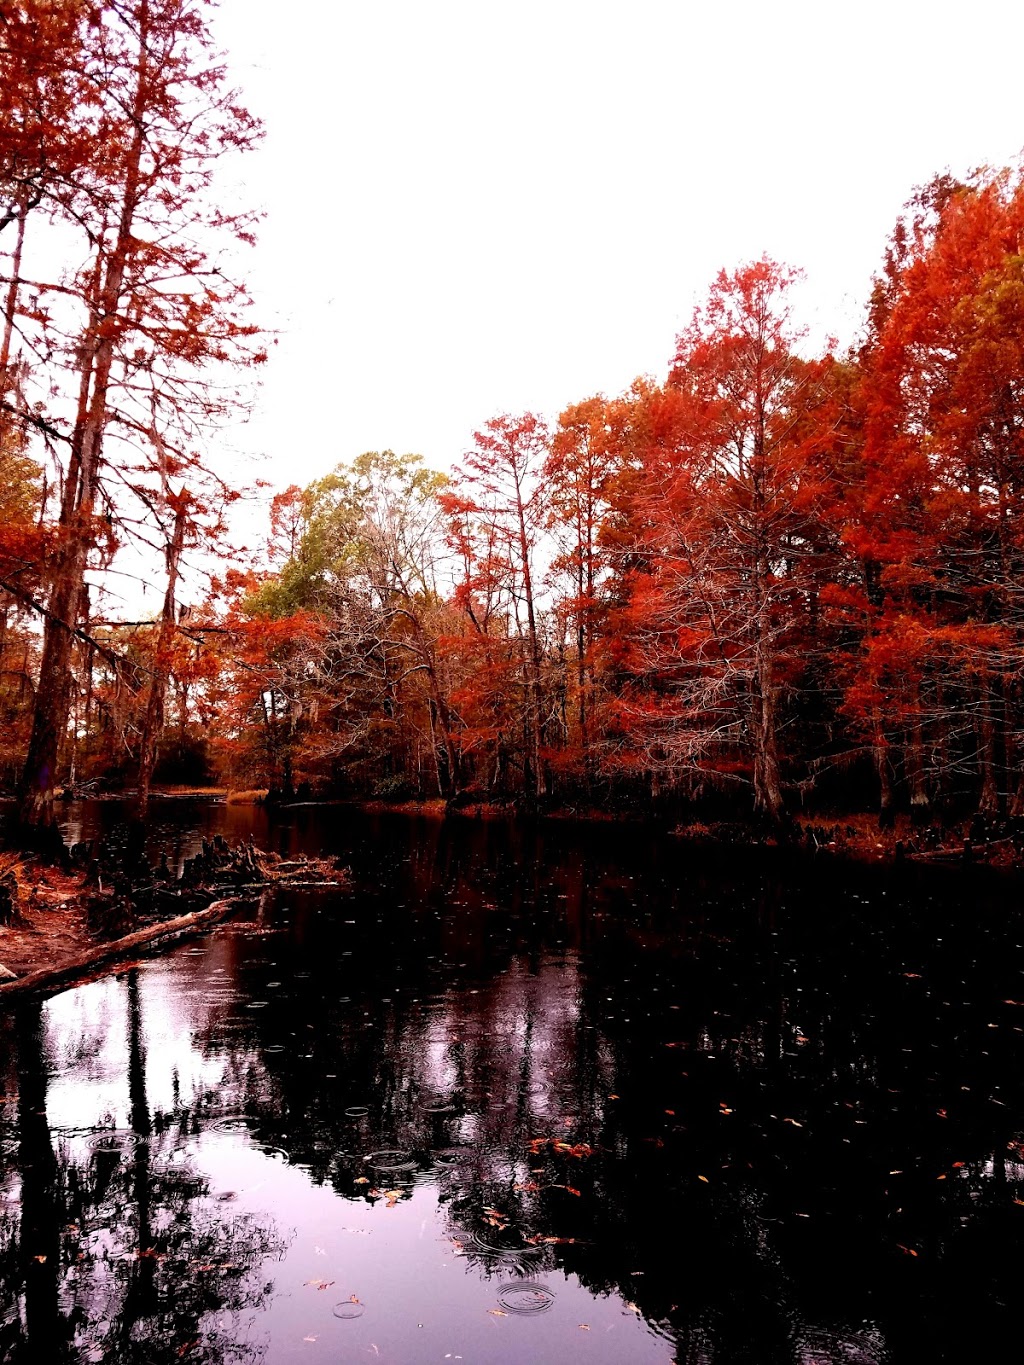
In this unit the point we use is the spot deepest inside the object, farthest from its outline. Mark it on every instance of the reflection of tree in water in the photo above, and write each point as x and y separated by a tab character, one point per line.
119	1255
769	1064
790	1058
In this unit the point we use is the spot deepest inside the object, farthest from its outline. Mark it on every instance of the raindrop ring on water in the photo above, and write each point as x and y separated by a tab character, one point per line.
349	1308
526	1297
232	1123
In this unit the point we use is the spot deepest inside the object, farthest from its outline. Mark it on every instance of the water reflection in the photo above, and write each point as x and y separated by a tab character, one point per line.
119	1253
527	1097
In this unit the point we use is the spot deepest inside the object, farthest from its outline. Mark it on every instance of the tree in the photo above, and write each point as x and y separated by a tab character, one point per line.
939	524
497	517
365	543
582	460
723	532
148	317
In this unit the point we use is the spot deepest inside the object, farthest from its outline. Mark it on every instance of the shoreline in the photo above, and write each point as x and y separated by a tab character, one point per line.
61	925
50	941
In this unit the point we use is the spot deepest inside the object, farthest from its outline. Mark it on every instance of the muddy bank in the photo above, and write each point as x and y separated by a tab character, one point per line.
61	922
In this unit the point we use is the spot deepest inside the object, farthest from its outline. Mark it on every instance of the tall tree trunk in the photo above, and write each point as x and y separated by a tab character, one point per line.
50	713
989	800
153	723
768	800
533	670
883	766
920	800
11	302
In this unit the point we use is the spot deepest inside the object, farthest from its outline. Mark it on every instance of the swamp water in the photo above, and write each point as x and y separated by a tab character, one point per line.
521	1097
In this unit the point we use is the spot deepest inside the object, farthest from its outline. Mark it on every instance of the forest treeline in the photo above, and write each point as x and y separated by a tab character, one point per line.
774	579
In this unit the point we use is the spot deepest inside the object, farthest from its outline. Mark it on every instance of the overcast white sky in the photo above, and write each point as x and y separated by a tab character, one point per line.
484	207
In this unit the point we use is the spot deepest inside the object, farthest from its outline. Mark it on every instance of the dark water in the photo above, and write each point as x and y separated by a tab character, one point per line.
526	1097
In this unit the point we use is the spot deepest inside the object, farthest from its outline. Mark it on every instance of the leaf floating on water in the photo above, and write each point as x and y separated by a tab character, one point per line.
497	1312
323	1284
705	1179
584	1326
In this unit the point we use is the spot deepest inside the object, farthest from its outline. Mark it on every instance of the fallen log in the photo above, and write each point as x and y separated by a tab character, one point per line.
80	964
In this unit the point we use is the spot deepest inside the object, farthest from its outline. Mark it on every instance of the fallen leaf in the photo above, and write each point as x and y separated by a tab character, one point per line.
497	1312
320	1284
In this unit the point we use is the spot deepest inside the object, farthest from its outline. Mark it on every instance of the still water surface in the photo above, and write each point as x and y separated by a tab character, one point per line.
524	1097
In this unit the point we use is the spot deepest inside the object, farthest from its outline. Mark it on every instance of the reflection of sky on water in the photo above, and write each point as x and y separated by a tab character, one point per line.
684	1110
398	1256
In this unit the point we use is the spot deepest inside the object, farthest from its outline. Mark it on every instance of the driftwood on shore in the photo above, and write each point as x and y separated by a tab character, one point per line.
129	904
58	976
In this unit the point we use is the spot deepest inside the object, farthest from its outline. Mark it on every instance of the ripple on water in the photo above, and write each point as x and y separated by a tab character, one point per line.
509	1250
349	1308
845	1348
231	1123
526	1298
275	1153
106	1141
391	1159
357	1111
450	1156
